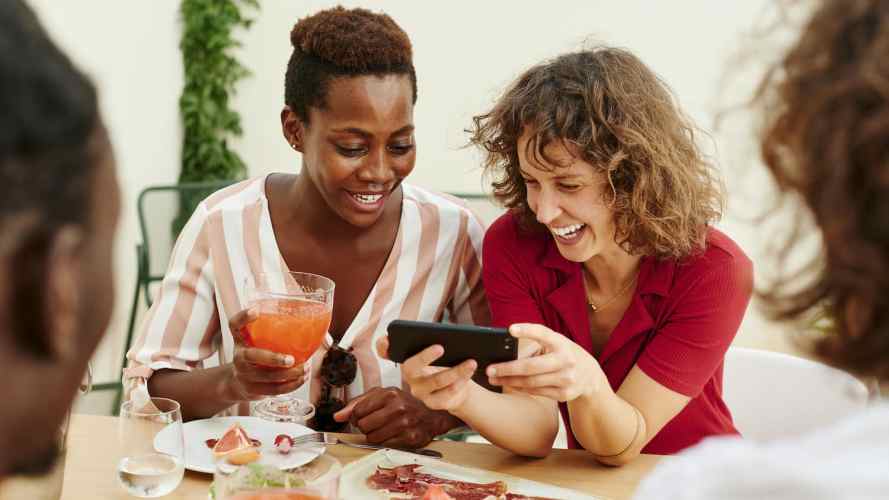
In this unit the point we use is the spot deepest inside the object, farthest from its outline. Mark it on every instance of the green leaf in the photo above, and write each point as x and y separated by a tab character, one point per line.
211	75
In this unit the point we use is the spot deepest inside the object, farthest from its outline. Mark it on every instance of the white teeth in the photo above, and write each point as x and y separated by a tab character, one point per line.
567	230
367	198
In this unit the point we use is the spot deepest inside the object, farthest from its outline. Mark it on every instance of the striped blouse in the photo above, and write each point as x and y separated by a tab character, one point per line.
433	273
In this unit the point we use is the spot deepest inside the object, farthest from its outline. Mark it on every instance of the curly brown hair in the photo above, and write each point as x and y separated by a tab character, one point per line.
339	42
825	138
624	120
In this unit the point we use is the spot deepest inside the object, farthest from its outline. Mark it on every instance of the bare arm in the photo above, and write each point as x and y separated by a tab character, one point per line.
521	423
201	393
616	426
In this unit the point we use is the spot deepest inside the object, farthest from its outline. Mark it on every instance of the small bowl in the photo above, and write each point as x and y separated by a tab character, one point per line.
294	411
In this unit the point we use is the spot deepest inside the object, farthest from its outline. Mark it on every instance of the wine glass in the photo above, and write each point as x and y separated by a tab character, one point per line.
152	447
293	315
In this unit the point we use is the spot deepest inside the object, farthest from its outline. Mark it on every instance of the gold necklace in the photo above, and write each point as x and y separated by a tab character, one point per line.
593	306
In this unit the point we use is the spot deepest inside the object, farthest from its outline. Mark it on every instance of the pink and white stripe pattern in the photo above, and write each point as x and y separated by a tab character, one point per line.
433	273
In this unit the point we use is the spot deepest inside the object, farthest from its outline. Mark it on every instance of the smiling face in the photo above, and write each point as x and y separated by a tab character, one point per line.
568	196
360	146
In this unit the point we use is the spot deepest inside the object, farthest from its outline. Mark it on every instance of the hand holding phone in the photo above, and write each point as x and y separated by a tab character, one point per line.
460	343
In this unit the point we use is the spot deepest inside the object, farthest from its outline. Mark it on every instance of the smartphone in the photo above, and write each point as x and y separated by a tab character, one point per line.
486	346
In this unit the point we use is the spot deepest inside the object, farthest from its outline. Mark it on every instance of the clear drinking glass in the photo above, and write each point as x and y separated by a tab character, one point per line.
316	480
152	447
293	316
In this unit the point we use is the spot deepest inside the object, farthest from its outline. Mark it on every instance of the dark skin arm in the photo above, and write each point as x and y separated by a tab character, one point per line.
254	374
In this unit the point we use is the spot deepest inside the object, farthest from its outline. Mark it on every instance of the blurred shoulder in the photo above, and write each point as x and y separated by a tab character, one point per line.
789	469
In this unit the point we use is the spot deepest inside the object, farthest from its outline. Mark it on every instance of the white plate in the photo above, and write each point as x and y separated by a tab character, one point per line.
198	457
353	482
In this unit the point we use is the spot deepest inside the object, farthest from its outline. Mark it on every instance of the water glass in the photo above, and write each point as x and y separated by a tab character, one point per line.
152	447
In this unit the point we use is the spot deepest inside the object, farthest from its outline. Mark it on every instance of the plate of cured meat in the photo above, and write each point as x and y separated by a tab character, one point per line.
397	475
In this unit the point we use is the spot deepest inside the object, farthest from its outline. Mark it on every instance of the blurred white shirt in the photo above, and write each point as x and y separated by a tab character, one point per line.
848	460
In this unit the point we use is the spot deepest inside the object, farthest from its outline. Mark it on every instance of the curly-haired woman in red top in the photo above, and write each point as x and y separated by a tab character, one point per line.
393	250
608	261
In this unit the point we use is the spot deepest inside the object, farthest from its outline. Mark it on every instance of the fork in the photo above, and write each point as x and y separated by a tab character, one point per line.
327	439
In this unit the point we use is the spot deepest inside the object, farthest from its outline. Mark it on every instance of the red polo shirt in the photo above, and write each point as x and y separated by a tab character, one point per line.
681	319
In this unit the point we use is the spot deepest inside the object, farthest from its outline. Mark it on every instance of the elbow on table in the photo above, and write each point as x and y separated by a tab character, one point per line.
540	452
539	449
617	460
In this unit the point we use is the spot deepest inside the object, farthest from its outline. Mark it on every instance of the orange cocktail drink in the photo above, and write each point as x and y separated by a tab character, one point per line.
293	312
292	326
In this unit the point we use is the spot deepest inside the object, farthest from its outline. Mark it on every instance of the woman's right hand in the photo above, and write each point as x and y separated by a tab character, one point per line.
258	373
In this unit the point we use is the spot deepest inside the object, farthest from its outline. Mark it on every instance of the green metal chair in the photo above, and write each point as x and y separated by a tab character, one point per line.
162	211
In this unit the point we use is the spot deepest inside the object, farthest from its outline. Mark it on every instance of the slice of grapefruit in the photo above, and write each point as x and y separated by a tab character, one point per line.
236	446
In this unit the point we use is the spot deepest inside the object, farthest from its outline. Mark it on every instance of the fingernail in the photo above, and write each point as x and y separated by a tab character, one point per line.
515	329
492	372
287	360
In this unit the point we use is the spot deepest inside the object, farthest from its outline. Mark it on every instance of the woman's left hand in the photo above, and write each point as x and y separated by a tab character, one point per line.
561	370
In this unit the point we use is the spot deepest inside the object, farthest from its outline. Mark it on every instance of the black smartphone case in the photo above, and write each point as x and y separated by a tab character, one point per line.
461	342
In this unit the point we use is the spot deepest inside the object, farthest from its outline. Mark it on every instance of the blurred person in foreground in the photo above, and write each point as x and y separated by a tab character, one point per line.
58	212
825	141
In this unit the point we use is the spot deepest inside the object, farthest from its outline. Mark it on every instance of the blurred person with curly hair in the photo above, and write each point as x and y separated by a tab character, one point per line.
825	140
393	250
606	267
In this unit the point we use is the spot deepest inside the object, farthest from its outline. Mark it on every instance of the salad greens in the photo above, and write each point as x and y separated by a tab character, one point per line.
256	477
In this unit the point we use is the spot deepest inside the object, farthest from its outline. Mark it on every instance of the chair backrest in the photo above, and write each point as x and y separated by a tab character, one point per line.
774	395
162	211
483	205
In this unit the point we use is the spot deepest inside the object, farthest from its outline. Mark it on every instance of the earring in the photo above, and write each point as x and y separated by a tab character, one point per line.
293	146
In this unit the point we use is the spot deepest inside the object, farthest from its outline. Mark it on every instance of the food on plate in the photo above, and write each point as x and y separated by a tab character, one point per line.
436	492
275	495
212	442
283	443
258	482
236	446
408	482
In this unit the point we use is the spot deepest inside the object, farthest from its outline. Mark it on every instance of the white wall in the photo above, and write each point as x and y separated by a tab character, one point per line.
465	52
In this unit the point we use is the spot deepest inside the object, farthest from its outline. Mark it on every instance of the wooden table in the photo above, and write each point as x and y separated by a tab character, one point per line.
90	465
